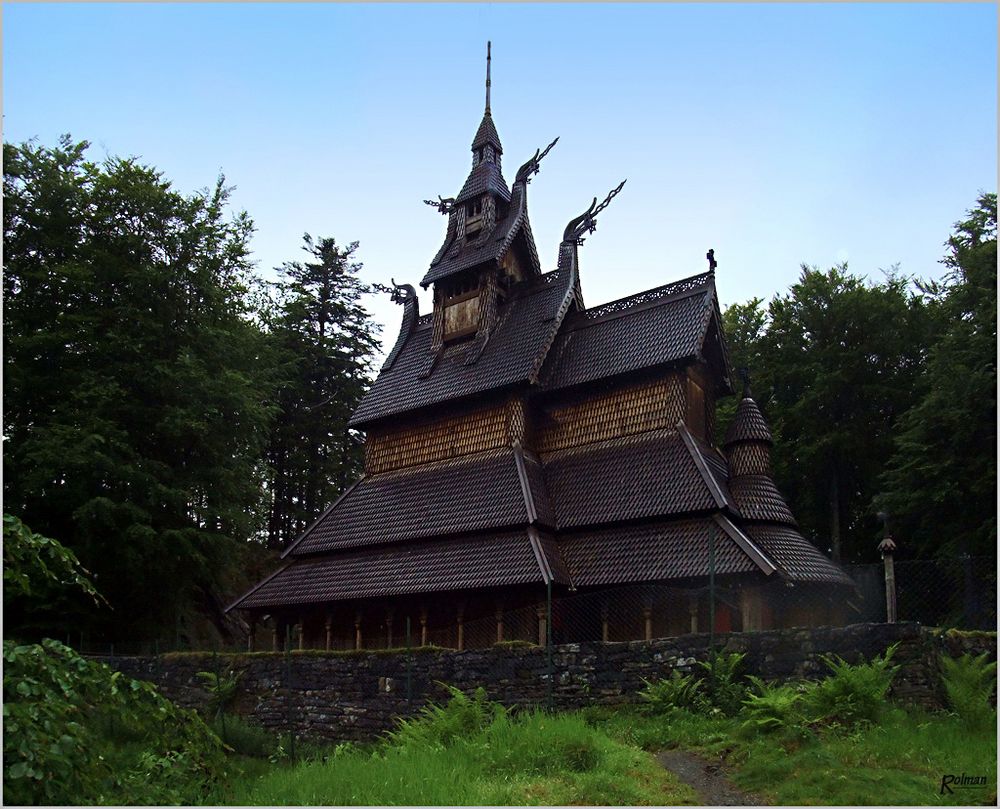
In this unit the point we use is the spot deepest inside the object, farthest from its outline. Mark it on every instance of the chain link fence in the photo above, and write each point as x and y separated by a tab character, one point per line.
957	592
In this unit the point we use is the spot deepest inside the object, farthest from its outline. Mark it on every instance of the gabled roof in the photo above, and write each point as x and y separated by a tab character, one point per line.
637	477
515	346
461	563
654	551
659	326
456	255
461	496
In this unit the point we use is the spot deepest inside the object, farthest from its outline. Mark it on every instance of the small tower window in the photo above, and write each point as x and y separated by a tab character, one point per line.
461	309
474	217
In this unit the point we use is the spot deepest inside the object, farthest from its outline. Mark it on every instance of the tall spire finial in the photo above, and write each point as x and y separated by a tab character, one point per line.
488	45
744	373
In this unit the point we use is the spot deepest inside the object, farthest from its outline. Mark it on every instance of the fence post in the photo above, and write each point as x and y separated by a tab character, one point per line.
409	663
288	689
548	637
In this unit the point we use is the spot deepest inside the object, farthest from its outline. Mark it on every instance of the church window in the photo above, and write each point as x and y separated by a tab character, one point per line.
473	217
461	309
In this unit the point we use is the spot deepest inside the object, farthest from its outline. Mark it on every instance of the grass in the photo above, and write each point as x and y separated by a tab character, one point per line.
898	761
530	759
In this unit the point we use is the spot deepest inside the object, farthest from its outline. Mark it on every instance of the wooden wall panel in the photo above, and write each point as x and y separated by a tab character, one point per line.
482	428
631	409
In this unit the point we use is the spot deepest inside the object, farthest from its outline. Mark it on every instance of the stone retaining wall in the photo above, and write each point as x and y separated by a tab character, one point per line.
339	696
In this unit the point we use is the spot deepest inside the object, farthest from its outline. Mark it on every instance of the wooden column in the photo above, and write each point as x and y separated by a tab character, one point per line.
693	612
423	626
461	626
751	608
329	632
302	633
604	622
357	630
499	616
250	636
542	634
274	636
647	614
388	629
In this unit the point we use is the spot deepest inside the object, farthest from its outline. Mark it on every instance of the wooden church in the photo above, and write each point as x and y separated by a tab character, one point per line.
519	444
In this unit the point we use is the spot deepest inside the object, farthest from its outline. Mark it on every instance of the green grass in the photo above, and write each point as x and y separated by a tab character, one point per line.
533	759
899	761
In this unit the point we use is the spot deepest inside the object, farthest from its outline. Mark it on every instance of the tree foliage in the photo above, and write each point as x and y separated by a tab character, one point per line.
136	386
940	484
325	340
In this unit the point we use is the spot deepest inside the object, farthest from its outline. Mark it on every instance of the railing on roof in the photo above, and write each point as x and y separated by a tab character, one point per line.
677	287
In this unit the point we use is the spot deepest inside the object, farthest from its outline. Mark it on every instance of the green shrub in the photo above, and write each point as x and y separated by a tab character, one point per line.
773	709
678	691
851	694
723	688
222	689
77	732
438	725
536	742
969	683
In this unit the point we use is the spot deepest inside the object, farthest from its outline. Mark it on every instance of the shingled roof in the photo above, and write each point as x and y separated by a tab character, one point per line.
748	424
653	474
796	555
655	327
460	563
461	496
510	355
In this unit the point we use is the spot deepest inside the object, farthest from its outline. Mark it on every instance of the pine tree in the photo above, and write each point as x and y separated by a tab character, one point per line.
326	341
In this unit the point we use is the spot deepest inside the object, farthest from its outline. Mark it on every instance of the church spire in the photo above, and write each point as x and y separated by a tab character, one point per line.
488	44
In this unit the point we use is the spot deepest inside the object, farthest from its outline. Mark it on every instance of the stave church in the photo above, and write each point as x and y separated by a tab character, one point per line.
521	448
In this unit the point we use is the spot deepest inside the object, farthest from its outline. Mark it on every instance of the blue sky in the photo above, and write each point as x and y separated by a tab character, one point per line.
775	133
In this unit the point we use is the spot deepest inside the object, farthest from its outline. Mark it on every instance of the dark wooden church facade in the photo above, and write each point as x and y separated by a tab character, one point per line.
518	442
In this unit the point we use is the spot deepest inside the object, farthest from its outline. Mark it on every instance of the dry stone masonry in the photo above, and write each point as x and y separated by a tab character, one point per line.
339	696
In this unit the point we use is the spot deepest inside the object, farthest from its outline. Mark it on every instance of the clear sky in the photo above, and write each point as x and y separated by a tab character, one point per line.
777	134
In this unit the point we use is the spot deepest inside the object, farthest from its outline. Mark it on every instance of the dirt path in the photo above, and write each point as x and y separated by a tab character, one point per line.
707	779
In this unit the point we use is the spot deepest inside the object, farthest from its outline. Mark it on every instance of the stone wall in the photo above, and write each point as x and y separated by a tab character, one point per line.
357	695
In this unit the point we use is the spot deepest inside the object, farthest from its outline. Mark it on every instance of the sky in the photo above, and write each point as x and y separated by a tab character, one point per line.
776	134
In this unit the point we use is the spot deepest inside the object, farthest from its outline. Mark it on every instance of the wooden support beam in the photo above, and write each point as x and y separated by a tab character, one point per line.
542	633
604	622
461	626
693	612
357	630
274	635
302	633
329	632
388	629
423	626
647	614
499	616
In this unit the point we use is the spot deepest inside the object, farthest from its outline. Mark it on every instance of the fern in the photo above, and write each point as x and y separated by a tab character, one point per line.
773	708
438	725
677	691
969	683
852	694
723	689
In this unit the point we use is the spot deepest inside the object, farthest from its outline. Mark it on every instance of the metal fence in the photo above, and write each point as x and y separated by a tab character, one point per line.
957	592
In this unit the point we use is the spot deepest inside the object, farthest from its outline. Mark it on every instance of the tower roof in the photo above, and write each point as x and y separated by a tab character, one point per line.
487	134
748	424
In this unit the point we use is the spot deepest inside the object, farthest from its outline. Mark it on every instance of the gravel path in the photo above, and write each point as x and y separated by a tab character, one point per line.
707	779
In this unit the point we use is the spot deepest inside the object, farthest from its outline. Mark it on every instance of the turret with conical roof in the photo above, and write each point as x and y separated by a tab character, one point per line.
748	445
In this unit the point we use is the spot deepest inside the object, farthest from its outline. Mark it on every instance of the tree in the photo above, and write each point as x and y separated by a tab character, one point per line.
136	383
940	484
834	364
326	341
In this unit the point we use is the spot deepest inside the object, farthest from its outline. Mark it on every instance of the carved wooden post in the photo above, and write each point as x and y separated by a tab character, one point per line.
357	630
274	635
423	626
329	632
250	636
461	625
499	616
302	633
388	629
604	622
693	612
542	634
887	547
647	614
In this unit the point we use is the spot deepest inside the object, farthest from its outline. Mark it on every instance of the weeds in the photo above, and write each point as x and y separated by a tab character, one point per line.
851	694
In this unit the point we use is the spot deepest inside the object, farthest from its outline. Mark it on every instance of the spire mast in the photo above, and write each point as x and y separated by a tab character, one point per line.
488	45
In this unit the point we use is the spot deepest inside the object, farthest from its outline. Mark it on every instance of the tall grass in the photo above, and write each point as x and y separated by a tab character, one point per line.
472	752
